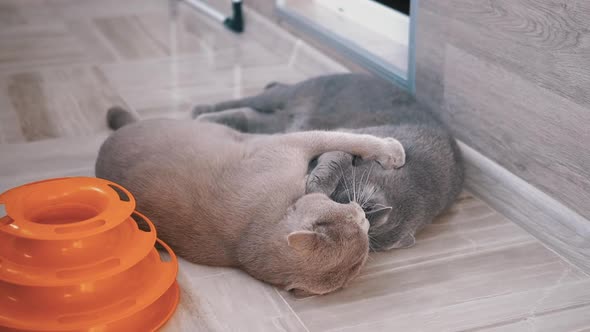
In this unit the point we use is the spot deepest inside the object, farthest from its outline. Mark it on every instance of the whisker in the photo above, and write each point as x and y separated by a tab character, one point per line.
367	182
362	191
363	199
380	205
370	170
364	202
345	185
372	193
370	196
353	183
346	189
371	239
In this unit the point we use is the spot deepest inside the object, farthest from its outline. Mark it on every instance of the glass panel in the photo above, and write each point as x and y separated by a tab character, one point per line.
371	30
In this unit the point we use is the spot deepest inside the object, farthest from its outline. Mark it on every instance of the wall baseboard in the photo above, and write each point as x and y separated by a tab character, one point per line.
558	227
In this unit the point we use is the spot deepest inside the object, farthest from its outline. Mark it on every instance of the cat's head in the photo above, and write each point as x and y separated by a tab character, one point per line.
370	194
329	246
371	187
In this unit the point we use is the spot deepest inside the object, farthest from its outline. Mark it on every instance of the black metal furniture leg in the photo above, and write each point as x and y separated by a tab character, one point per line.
236	22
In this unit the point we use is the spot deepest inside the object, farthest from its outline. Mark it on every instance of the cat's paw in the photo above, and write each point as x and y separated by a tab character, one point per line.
204	118
201	109
311	184
314	184
392	155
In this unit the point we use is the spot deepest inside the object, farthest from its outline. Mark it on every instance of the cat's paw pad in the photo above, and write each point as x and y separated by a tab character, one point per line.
393	154
201	109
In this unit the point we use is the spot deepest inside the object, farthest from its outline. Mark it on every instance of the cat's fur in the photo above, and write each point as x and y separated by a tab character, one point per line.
430	181
225	198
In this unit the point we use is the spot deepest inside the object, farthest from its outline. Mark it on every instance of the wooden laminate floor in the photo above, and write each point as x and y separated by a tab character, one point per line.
63	62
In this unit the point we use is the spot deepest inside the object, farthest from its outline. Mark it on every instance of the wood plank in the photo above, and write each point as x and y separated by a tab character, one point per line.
469	226
545	42
136	43
574	319
511	80
28	162
522	132
90	9
24	47
561	229
18	13
558	308
196	70
431	36
10	129
229	300
440	283
61	102
188	80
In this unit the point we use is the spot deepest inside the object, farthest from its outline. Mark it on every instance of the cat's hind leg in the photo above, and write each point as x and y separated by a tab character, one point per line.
244	120
267	102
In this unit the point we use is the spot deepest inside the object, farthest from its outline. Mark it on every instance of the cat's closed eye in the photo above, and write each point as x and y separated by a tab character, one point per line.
322	223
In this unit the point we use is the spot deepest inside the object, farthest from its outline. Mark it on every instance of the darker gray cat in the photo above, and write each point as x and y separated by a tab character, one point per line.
397	204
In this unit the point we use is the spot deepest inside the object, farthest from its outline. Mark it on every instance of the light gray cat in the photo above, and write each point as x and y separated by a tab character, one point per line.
225	198
397	204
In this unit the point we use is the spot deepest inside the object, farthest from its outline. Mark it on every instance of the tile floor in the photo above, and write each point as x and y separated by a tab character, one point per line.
63	62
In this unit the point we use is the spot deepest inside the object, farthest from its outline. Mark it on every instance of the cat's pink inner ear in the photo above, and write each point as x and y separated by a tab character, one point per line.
302	240
379	216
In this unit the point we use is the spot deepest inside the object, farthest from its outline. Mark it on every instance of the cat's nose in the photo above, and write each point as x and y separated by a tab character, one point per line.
358	209
365	225
360	216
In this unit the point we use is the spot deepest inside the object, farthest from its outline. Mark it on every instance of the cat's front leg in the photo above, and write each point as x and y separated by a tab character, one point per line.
388	152
267	102
391	155
328	172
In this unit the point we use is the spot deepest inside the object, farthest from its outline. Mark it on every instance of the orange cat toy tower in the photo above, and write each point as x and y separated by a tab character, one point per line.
74	258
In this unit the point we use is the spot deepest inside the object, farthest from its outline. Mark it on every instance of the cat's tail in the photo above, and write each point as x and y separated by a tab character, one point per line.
118	117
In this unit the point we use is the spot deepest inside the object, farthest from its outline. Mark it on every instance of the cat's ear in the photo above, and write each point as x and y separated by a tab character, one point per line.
302	240
379	215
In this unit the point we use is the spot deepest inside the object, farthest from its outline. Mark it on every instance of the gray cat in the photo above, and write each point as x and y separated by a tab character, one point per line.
225	198
397	204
